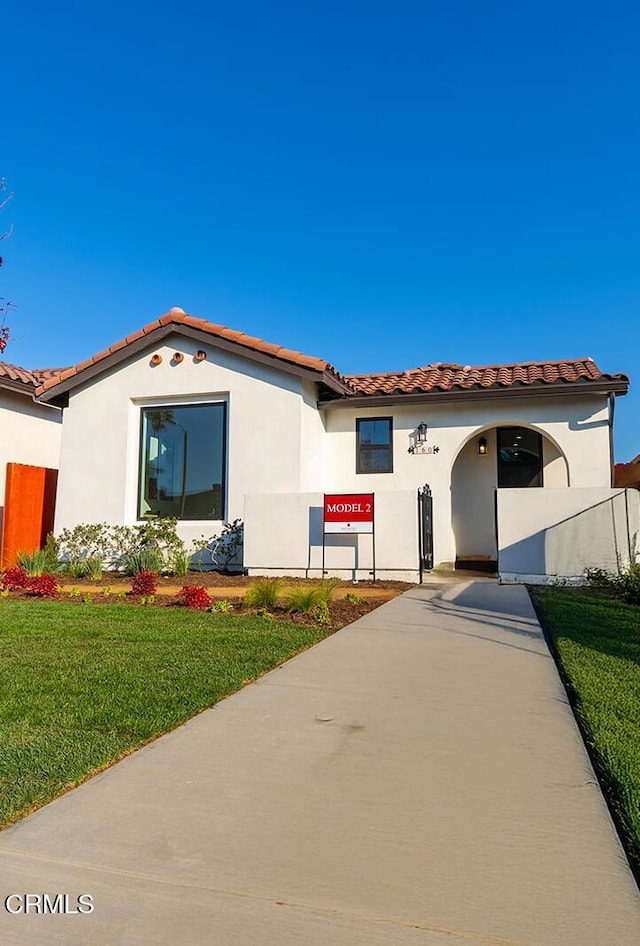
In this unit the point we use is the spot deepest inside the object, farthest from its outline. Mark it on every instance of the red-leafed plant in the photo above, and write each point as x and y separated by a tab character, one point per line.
43	586
14	579
195	597
145	583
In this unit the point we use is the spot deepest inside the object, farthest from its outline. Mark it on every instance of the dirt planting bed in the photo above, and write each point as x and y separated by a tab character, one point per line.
350	600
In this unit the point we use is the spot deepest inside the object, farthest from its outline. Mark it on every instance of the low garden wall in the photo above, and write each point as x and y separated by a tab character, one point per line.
545	534
283	536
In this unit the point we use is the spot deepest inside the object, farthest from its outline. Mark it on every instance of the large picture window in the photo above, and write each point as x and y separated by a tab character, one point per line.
374	451
182	461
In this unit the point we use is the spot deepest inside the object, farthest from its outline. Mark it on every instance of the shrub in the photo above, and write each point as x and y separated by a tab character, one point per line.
115	544
222	605
52	554
145	583
43	586
303	600
84	540
76	567
353	598
179	564
93	567
264	593
220	550
159	533
194	597
14	579
320	614
148	559
600	578
625	585
326	589
629	584
37	561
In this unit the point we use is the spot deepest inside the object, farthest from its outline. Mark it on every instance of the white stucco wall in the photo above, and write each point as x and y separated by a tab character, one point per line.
30	433
101	438
578	425
561	532
312	440
283	535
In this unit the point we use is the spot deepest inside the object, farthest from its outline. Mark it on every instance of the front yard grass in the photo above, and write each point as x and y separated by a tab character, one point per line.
597	639
81	687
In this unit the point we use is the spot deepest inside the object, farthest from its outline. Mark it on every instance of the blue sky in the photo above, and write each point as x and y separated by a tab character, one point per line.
383	185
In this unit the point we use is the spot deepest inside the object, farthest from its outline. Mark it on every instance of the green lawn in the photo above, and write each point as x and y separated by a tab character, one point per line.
598	642
82	685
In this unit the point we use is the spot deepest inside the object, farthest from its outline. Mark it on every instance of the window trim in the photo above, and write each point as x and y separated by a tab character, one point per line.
360	420
171	405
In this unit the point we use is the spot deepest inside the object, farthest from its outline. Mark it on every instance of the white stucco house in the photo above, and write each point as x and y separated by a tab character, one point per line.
191	419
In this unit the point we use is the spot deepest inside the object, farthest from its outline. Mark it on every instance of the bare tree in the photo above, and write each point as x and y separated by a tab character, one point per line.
5	306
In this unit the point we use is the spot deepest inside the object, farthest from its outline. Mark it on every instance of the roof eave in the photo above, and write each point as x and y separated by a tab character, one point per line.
54	391
604	387
19	387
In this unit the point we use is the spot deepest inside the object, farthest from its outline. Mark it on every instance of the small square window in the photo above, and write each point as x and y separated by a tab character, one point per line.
374	449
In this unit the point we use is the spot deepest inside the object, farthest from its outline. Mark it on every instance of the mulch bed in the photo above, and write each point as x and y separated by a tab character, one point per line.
87	593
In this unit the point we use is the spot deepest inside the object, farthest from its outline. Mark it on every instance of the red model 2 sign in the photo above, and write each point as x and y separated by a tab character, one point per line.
348	512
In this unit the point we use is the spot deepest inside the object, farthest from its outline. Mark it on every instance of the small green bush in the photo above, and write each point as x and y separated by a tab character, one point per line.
148	559
93	567
179	563
625	585
326	589
36	562
76	568
320	613
223	605
303	600
264	593
629	584
353	598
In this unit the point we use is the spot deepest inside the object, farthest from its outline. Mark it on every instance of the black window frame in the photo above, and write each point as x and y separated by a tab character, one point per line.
140	517
389	447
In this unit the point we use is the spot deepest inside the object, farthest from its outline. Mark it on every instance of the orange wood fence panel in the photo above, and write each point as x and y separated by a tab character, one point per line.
29	506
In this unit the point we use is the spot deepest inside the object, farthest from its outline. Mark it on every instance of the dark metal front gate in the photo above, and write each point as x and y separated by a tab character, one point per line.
425	529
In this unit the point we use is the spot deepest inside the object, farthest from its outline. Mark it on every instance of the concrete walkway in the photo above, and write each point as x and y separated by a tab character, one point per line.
415	779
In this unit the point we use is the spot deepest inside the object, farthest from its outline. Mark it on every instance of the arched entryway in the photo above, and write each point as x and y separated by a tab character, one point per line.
507	456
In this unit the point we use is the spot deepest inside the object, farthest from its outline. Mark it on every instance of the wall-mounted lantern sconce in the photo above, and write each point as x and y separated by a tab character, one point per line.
482	446
419	437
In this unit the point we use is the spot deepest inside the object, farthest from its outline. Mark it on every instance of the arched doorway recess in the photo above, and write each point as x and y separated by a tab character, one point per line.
506	456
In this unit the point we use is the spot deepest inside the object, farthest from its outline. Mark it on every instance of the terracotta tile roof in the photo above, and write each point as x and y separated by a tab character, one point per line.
179	317
436	378
445	378
628	474
31	379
